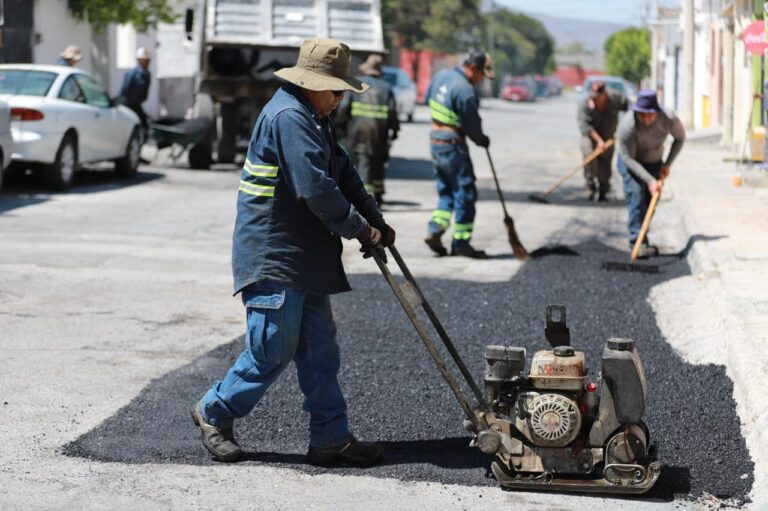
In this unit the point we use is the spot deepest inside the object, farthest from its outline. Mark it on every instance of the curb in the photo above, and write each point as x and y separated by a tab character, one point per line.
741	356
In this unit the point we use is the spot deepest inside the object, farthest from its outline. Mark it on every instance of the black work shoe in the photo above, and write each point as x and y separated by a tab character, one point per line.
646	250
219	441
354	453
434	243
603	197
468	251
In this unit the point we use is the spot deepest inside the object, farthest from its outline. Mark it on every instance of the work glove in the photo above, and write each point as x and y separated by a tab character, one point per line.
387	233
484	141
371	239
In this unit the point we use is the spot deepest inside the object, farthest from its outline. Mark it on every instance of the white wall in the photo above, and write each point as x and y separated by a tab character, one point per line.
56	29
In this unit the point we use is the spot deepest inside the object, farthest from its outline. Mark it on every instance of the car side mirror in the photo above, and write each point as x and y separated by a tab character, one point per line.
189	23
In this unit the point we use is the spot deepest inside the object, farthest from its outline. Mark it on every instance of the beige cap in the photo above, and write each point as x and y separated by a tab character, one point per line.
372	66
323	64
73	53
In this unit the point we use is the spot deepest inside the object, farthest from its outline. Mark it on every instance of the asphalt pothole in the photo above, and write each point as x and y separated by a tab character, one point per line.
396	396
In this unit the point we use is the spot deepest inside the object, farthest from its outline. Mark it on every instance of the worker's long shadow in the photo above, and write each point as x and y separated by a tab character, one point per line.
396	396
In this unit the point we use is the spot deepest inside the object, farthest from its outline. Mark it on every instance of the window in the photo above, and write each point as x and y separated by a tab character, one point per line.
25	82
71	91
94	94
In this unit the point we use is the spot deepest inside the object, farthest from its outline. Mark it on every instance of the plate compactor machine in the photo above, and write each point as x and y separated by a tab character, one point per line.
549	429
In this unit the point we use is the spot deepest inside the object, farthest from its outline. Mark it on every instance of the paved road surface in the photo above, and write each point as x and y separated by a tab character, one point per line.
115	315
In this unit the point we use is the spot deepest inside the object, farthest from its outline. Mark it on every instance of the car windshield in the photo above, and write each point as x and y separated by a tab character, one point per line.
26	82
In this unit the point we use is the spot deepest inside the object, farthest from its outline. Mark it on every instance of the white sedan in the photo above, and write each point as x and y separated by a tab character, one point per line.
6	140
61	117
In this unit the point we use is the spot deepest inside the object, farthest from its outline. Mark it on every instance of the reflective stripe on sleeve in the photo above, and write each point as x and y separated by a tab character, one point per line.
260	170
257	190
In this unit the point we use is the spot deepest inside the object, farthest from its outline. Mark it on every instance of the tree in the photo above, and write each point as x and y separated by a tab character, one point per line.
143	14
447	26
521	44
628	54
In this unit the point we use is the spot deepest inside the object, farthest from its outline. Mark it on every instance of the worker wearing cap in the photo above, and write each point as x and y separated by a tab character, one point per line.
298	196
641	161
70	56
370	119
598	117
135	88
453	106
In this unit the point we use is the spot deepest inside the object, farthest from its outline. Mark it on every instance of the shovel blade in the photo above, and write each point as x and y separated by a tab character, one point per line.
539	199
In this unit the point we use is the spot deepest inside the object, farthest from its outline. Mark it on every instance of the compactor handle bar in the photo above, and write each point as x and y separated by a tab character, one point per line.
409	295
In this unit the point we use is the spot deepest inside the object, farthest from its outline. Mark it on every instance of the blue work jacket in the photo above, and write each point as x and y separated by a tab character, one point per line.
298	194
453	102
135	88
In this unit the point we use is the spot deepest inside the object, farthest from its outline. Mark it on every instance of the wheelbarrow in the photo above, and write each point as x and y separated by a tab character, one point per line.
181	135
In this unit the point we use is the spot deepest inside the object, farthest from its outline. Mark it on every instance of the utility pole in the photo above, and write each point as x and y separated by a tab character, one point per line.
689	40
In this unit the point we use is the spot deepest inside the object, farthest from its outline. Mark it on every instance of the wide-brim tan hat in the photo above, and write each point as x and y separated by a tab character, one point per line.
72	52
372	66
323	64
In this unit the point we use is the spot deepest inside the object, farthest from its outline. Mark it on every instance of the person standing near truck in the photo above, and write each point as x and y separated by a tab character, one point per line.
135	88
298	195
371	122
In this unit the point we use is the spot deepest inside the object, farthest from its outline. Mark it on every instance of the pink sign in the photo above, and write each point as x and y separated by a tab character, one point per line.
754	38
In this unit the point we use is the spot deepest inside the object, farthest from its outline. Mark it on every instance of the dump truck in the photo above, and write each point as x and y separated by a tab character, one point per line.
243	42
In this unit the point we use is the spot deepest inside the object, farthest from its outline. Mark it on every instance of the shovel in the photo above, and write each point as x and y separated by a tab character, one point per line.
644	268
517	248
590	157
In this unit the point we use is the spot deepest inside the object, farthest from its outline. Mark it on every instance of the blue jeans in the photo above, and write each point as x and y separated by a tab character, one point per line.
456	191
285	324
637	194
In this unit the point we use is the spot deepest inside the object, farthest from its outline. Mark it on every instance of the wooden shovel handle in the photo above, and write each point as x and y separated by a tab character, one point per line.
586	161
646	221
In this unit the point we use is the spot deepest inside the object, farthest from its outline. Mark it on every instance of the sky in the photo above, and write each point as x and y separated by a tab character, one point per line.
628	12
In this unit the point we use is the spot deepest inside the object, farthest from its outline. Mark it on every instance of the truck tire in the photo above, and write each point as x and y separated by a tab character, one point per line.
200	156
2	170
227	133
59	174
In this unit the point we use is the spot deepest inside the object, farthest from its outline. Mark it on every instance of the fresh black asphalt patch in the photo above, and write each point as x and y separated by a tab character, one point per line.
395	394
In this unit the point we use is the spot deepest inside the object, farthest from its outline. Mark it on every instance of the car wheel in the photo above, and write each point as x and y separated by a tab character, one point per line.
59	174
127	165
200	156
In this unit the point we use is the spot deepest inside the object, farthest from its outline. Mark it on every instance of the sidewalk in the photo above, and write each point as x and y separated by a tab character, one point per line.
729	255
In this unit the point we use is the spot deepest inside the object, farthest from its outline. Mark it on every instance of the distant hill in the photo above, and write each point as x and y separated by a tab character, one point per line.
565	31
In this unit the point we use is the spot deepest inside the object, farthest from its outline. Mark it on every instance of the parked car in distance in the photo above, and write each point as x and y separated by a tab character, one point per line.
518	88
612	82
404	90
61	117
6	140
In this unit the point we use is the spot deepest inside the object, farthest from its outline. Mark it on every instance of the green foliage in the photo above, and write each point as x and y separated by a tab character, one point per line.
628	54
448	26
143	14
521	44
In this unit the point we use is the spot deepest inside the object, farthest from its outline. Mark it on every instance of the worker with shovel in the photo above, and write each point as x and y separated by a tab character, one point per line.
453	105
641	163
298	195
598	116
